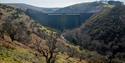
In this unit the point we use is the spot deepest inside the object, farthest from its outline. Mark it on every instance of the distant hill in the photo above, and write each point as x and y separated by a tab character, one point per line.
63	20
26	6
59	21
90	7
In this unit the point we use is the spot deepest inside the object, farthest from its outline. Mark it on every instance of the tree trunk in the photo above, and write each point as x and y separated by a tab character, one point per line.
48	61
110	60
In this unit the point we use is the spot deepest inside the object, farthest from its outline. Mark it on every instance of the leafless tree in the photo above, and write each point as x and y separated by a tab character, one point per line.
49	48
72	51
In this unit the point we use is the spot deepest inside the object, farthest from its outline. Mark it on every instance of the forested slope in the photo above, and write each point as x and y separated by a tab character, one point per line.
104	33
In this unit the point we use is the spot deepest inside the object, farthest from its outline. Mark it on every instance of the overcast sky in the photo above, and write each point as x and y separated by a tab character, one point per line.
48	3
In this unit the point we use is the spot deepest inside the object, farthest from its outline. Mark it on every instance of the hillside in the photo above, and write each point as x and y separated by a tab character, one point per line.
90	7
59	22
67	18
22	40
61	19
104	32
16	33
26	7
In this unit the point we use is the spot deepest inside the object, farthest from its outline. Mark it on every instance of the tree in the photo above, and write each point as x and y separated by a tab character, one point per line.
49	48
72	51
1	15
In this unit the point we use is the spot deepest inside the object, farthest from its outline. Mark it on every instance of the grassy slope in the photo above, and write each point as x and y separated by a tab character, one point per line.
15	51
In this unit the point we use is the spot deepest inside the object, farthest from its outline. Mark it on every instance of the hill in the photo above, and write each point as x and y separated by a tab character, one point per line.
16	33
26	6
67	19
90	7
104	33
62	18
22	40
57	21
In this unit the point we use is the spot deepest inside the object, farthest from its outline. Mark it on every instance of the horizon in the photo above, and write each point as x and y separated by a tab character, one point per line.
49	3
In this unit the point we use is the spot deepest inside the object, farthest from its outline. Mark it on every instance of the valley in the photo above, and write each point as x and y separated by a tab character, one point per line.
91	32
59	20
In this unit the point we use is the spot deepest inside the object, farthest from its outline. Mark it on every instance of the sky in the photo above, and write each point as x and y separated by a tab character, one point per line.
48	3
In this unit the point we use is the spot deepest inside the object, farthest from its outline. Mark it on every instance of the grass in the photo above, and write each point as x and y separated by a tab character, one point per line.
20	55
24	56
16	53
62	58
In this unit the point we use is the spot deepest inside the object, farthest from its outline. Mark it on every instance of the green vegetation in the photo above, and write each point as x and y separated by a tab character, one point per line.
59	22
17	55
100	39
24	41
104	33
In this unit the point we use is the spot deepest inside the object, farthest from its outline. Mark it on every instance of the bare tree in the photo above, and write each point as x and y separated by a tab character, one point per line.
49	48
72	51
